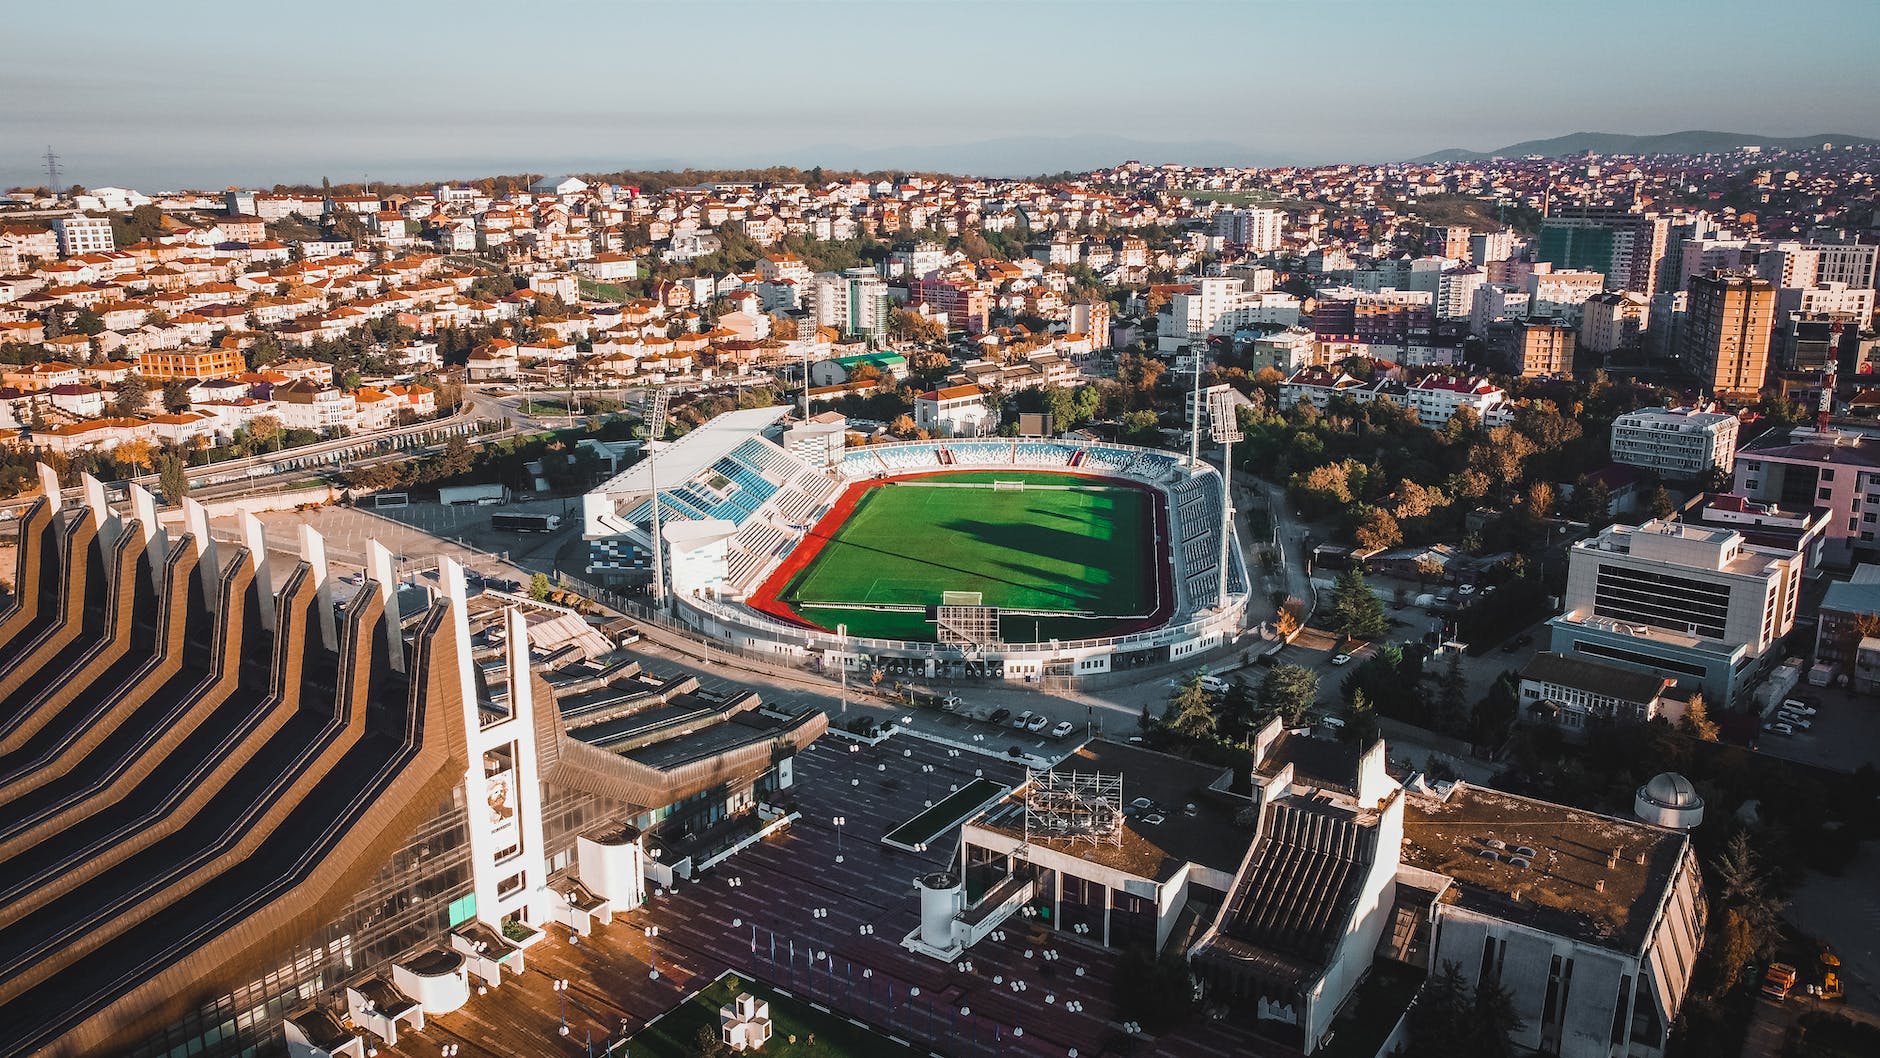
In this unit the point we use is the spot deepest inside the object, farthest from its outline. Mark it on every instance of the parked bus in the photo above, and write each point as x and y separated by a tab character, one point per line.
525	523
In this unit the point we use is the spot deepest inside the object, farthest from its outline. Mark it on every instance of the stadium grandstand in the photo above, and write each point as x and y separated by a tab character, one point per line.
249	807
740	496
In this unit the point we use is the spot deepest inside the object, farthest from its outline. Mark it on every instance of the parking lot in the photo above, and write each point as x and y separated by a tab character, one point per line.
1843	734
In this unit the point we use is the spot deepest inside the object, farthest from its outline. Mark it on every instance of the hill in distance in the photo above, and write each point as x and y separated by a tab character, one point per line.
1695	141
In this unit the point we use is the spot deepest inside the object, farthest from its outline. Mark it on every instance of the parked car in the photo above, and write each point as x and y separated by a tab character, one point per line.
1341	659
1796	706
1037	723
1794	721
949	704
1063	728
1778	728
1465	589
998	716
1332	722
1021	720
1213	684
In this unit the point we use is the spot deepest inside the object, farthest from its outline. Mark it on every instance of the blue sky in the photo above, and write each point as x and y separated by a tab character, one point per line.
207	93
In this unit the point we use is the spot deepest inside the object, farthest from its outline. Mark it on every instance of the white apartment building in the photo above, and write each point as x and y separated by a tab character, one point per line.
1494	301
1490	246
1437	398
956	411
1856	265
854	302
1254	230
1613	320
1682	443
1560	294
1455	292
1824	299
914	260
1219	305
80	235
1699	605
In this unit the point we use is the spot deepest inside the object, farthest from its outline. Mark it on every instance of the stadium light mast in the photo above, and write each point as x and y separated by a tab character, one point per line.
1224	426
1194	413
659	560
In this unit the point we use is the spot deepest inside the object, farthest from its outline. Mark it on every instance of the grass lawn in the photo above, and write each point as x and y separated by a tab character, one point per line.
1067	550
676	1034
945	814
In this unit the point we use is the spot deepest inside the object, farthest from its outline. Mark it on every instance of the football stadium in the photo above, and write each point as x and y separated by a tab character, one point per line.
974	557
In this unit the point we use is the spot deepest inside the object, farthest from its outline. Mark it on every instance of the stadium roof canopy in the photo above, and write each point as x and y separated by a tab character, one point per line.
675	464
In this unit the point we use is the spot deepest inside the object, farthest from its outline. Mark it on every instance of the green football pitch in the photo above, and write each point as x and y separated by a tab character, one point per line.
1079	550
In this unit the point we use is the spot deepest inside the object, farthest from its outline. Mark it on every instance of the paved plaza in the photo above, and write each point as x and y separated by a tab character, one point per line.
787	912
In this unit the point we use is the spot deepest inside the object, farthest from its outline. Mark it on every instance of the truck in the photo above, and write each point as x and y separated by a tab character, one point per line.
465	495
1778	980
525	523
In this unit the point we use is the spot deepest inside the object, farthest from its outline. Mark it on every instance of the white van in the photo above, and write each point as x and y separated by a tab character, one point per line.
1213	684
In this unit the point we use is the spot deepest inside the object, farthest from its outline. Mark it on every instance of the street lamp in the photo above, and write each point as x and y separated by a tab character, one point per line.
561	989
652	952
840	822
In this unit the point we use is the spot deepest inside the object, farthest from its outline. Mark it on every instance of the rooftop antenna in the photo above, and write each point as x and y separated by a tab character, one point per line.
52	170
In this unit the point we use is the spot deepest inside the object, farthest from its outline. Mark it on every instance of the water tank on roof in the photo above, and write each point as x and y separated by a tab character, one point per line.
941	898
1669	800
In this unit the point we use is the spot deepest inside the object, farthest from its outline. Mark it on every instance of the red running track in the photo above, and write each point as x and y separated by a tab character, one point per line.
765	599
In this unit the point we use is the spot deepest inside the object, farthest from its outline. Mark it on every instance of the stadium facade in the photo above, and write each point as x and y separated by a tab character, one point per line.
247	803
738	495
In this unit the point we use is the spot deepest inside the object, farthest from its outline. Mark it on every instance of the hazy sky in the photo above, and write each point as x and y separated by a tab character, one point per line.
209	93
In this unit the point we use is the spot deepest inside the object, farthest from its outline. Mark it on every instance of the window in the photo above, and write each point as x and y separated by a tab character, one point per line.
463	909
1822	494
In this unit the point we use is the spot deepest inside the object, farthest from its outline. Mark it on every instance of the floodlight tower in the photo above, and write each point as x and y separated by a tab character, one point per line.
659	559
1224	426
1194	404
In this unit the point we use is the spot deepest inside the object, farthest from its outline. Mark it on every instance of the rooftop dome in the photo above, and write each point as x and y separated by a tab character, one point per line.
1669	800
1672	790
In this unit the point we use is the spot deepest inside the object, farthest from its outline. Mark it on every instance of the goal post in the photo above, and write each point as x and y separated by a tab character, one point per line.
1007	486
961	598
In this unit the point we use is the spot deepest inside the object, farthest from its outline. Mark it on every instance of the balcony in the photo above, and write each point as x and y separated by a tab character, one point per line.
377	1006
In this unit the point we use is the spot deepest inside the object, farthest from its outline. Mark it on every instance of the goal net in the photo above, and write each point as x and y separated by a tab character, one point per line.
961	598
1008	486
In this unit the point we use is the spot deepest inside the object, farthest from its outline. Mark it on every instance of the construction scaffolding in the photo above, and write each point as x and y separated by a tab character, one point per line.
974	627
1074	806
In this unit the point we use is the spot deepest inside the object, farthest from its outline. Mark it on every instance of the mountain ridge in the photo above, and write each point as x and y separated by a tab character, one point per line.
1689	141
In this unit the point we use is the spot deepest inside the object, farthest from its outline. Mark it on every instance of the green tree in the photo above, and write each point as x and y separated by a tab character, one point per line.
1361	725
457	459
1696	721
1452	697
1191	710
1355	611
132	397
172	481
539	587
175	396
1289	691
266	432
1140	427
1377	530
1658	504
1743	889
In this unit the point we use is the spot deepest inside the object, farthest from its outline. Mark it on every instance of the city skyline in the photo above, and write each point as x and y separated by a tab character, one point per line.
589	88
